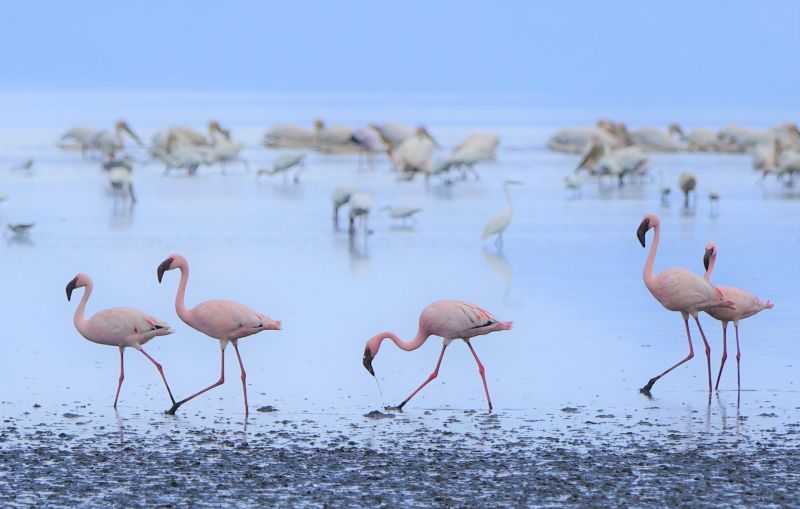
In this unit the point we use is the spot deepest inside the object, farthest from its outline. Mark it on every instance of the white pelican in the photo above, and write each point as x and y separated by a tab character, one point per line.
599	160
335	139
657	140
360	205
289	136
286	162
402	212
687	183
414	154
393	134
339	197
478	146
498	224
766	157
119	176
111	142
789	165
574	140
184	156
77	138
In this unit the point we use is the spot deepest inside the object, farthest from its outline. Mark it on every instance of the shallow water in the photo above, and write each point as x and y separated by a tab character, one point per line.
586	335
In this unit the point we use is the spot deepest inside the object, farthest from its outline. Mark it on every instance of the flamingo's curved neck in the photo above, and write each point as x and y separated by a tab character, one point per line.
710	269
79	320
415	343
180	305
651	256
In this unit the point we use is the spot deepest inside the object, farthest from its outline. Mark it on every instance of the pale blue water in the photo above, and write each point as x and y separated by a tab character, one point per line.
587	334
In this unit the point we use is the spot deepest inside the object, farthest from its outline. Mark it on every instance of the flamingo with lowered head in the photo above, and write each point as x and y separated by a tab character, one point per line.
746	303
450	320
120	327
224	320
678	290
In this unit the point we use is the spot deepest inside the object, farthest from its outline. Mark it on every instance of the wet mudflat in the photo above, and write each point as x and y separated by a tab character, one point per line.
426	458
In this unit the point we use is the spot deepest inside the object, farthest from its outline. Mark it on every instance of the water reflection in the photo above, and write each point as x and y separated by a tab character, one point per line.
121	215
499	264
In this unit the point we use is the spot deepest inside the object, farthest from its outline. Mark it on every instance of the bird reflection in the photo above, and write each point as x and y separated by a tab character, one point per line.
499	264
121	215
359	254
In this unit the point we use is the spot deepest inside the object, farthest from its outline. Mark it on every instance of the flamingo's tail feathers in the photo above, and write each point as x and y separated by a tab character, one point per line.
504	325
768	304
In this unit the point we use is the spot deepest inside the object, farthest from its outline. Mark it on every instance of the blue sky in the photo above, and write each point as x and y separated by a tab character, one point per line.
711	53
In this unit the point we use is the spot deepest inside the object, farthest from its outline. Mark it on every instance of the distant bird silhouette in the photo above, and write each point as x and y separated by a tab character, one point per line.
687	183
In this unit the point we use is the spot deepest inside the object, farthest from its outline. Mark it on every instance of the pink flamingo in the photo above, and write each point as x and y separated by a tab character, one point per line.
746	303
120	327
449	319
678	290
224	320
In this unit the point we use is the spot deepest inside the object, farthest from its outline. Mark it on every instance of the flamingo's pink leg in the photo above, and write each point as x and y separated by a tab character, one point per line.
646	389
708	351
431	377
483	376
738	357
161	371
724	352
219	382
244	378
121	373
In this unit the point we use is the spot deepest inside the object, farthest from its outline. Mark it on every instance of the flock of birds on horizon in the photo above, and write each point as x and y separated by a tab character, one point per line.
607	150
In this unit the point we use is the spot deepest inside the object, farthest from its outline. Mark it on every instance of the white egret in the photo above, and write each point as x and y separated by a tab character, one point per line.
498	224
653	139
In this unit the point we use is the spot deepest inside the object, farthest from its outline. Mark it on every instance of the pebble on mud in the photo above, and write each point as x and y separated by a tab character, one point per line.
268	408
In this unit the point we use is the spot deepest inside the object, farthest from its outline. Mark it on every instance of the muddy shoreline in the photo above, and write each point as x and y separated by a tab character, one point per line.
207	468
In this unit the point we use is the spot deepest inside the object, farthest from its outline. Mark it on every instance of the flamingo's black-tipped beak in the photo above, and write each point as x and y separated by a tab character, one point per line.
368	361
707	257
70	287
163	268
640	233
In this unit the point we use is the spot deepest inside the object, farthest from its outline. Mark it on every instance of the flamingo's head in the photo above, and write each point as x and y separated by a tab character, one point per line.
78	281
173	261
370	351
711	253
648	221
